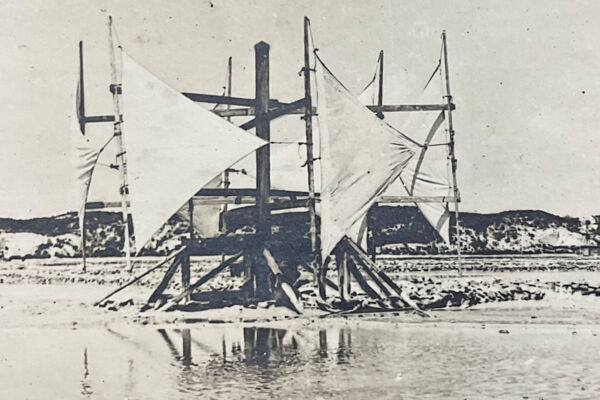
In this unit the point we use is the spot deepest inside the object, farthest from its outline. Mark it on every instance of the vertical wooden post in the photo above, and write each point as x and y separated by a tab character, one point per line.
121	156
263	178
380	94
452	155
185	261
312	213
186	350
225	176
371	245
263	131
344	277
81	112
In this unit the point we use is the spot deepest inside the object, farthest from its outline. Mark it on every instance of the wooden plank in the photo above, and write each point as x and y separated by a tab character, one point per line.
165	281
137	278
207	277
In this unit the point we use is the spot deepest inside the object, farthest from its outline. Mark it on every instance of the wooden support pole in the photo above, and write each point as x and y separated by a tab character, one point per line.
368	263
81	114
263	131
280	284
341	259
452	155
225	177
185	272
259	269
186	347
312	212
121	156
364	285
185	257
165	281
359	261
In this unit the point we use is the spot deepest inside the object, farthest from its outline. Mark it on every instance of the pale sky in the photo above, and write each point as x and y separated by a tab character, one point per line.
523	77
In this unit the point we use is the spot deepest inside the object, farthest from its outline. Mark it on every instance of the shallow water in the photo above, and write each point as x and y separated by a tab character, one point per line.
350	359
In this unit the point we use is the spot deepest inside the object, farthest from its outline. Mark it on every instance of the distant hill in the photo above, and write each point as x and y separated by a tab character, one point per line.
396	230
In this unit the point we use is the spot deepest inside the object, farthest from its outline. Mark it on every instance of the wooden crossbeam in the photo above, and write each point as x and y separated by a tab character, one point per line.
278	200
415	199
278	109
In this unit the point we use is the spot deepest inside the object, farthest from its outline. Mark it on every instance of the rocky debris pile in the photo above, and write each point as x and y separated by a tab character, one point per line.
582	288
489	264
431	293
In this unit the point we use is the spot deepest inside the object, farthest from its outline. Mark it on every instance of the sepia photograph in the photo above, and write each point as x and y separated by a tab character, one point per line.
381	199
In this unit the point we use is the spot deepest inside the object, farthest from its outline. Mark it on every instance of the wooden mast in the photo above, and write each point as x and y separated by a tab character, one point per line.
452	155
259	268
225	177
312	212
371	246
115	88
81	113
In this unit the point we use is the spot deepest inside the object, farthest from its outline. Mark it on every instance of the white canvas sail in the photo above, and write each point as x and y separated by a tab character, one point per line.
174	147
427	173
85	150
360	156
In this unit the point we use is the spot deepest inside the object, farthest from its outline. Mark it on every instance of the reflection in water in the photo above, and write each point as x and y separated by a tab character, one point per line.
86	387
341	361
255	357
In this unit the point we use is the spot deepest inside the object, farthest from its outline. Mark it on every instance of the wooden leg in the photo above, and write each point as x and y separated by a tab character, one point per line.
165	281
322	279
341	259
185	274
187	346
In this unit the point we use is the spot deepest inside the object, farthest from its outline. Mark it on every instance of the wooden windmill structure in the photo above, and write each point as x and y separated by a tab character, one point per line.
261	267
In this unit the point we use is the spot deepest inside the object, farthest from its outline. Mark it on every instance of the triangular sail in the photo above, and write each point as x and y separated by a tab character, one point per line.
174	147
360	156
